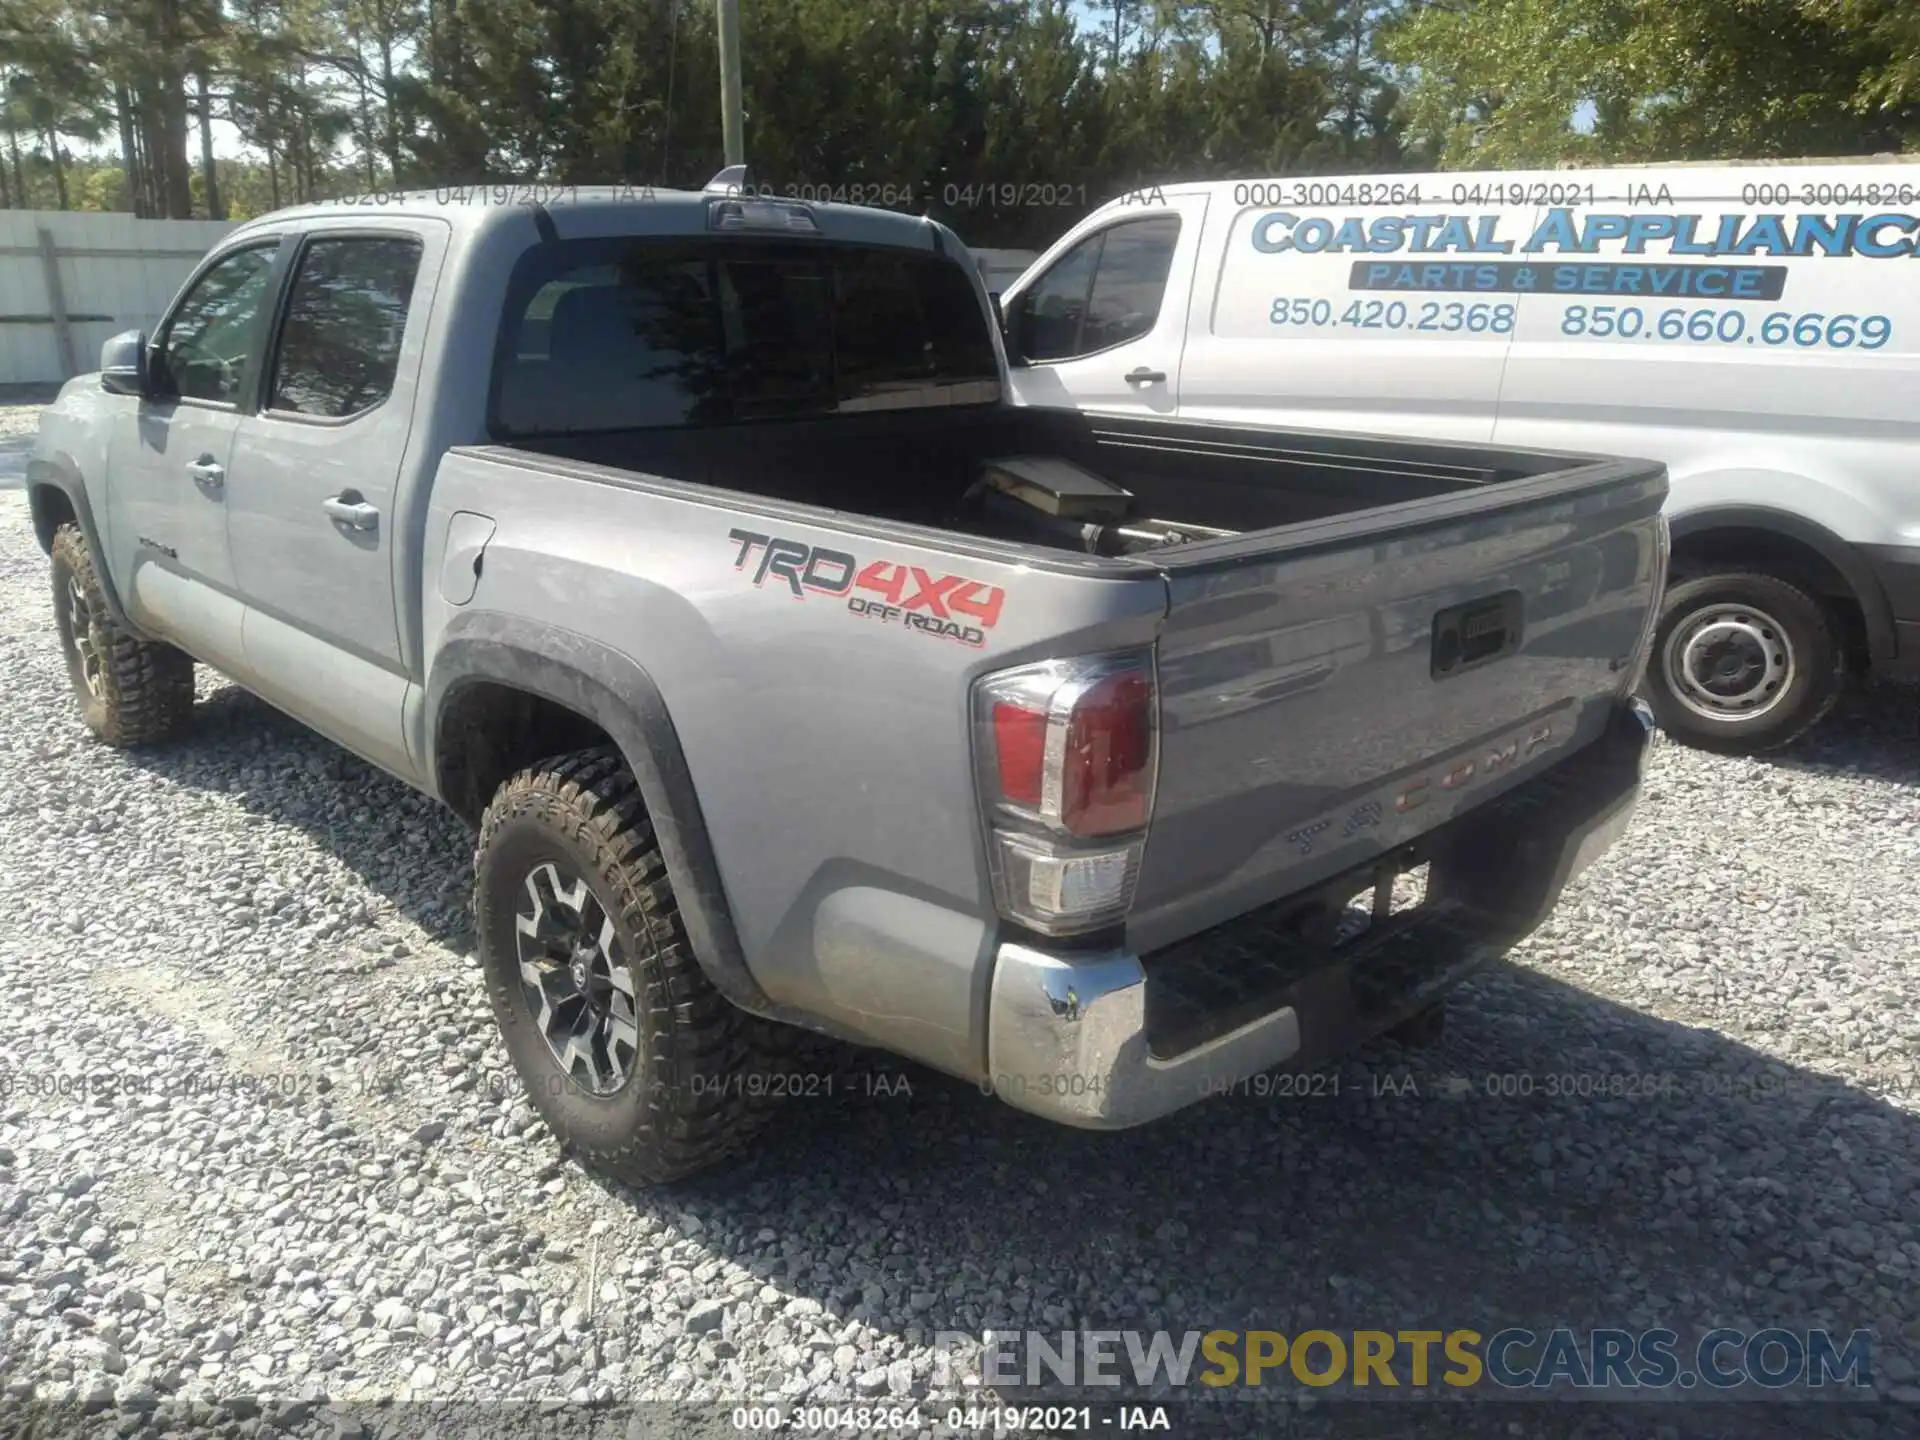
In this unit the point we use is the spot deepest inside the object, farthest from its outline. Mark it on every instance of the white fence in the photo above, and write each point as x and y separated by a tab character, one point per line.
71	278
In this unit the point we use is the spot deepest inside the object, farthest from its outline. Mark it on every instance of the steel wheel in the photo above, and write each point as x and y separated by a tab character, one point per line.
576	981
80	627
1729	662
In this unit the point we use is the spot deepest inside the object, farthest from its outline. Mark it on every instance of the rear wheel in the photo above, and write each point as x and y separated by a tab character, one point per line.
1743	663
626	1049
131	691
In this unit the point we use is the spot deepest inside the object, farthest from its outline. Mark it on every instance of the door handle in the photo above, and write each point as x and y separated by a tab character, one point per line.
348	509
1141	375
207	473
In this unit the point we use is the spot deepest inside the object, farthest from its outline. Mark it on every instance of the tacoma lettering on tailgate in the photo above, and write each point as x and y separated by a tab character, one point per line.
1490	759
950	606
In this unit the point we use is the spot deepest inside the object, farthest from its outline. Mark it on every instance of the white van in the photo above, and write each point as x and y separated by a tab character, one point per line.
1755	327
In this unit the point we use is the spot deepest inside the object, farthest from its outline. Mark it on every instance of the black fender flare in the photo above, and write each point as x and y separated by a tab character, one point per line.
60	472
612	690
1875	609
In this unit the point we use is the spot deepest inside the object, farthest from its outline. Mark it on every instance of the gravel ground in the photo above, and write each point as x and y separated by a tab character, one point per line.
339	1198
19	422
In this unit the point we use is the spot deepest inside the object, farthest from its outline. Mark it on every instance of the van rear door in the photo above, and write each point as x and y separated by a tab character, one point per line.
1738	324
1099	322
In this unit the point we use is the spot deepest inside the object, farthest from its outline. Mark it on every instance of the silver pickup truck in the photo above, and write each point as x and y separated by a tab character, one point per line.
686	545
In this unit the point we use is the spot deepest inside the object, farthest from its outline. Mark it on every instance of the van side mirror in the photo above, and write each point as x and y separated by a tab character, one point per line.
123	363
1009	327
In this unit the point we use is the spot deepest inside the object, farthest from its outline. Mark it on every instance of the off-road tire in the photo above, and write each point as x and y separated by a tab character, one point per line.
1801	624
142	691
693	1095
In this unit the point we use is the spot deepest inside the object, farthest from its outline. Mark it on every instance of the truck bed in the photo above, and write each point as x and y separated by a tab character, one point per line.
1389	633
917	466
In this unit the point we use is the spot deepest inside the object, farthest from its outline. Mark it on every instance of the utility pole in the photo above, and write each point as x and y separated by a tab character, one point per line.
732	119
1358	24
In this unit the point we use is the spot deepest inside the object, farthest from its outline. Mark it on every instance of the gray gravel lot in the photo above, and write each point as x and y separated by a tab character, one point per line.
19	422
339	1197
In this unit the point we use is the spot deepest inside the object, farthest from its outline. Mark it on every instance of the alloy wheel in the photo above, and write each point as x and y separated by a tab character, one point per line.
575	979
80	627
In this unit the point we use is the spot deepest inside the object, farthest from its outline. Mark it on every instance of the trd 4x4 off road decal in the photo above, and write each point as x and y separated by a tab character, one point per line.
950	606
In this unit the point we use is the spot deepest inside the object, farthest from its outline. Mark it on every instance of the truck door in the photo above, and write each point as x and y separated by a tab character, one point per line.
168	454
1099	325
313	510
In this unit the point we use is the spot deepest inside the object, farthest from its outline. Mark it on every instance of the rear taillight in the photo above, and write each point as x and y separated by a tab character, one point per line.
1067	753
1020	752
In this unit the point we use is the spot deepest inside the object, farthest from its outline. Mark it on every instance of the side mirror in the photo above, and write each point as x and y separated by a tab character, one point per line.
1009	327
123	363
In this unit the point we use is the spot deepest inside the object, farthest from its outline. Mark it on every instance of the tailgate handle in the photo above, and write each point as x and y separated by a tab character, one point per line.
1469	635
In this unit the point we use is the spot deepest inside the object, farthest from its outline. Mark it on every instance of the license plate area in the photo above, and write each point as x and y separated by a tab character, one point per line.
1210	984
1477	633
1393	893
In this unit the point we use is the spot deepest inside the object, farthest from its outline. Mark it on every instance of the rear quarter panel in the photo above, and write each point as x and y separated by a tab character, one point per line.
831	752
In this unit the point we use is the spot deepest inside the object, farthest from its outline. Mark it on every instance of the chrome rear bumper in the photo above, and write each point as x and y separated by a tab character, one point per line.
1086	1039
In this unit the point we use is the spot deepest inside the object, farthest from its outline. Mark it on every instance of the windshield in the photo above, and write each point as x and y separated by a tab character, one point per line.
624	334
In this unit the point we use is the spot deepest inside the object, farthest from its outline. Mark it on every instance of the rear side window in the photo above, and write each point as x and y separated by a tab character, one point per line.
629	334
1103	292
340	344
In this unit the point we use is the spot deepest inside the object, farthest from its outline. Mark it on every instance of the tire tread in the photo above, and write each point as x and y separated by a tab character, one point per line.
688	1027
146	685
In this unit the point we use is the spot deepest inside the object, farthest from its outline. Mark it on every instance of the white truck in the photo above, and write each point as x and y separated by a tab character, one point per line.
1756	328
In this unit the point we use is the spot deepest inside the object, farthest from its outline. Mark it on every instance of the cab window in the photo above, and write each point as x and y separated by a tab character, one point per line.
1103	292
203	353
340	344
626	333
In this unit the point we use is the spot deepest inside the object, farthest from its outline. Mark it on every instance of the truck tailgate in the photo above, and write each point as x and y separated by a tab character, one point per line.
1332	691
